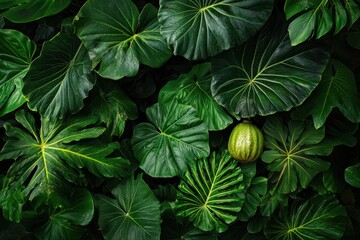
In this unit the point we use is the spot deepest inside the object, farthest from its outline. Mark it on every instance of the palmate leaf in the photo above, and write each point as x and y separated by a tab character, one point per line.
320	218
200	28
175	138
16	52
60	78
209	192
266	74
46	162
121	38
352	175
292	152
337	88
133	214
22	11
194	89
318	17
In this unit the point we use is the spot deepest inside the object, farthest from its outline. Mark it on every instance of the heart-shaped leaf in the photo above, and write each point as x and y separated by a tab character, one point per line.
199	28
292	152
266	74
176	138
133	214
22	11
16	52
208	192
194	89
60	78
121	38
320	217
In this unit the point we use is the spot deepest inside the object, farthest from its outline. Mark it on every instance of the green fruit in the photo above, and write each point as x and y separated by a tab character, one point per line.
246	142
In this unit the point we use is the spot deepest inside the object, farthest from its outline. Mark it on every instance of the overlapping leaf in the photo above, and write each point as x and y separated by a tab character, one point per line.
337	88
16	52
318	17
266	74
121	38
175	138
46	161
199	28
22	11
194	89
320	217
209	192
292	152
60	78
133	214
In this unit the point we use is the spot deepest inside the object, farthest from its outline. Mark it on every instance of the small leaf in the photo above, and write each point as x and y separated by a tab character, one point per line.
176	138
194	89
133	214
208	192
352	175
320	217
121	38
271	201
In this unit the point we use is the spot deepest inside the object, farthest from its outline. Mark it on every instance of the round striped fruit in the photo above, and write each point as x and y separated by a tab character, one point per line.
246	142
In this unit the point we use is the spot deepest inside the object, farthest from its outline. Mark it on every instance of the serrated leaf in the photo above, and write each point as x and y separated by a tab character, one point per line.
121	38
198	28
16	52
292	152
320	217
60	78
337	89
352	175
22	11
47	160
266	75
208	192
175	138
133	214
193	89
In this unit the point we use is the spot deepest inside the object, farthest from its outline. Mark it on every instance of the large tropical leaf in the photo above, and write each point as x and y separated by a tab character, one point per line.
352	175
175	138
337	89
22	11
199	28
133	214
194	89
16	52
292	152
318	17
320	217
46	161
60	78
121	38
209	192
266	75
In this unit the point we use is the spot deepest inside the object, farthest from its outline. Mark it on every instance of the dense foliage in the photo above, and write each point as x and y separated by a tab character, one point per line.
116	115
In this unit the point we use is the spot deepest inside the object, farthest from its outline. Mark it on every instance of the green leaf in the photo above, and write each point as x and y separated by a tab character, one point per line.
198	28
121	38
114	107
271	201
16	52
2	23
65	223
337	89
176	138
318	17
352	175
292	152
46	161
266	75
320	217
60	78
133	214
194	89
208	192
22	11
